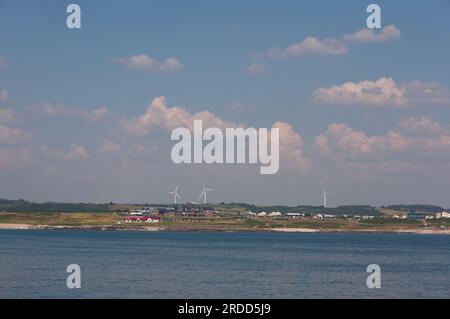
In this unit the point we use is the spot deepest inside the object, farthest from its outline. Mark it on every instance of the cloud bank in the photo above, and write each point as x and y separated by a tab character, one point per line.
333	46
147	63
384	92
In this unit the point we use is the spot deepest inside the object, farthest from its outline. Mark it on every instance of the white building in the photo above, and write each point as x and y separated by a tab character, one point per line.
262	214
273	214
443	214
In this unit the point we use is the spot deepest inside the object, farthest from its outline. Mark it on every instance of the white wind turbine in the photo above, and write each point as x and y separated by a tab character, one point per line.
325	193
175	195
204	192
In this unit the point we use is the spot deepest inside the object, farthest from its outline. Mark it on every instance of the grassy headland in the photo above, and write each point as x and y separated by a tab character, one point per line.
224	217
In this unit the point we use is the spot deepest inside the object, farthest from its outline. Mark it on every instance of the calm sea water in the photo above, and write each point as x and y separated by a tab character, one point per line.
221	265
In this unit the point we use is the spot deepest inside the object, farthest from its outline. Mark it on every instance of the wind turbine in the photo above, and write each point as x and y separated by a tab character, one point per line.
175	194
204	192
325	193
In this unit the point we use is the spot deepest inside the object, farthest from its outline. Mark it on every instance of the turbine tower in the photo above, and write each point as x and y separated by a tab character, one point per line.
175	195
204	192
325	193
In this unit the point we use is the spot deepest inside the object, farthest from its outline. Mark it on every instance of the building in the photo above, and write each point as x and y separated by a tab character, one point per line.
295	215
262	214
143	211
274	214
443	214
139	219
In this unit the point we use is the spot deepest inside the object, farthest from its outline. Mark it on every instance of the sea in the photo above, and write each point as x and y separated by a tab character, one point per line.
132	264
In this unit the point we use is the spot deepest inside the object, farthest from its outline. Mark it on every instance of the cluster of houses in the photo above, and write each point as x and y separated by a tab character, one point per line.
262	214
443	214
154	214
145	214
440	215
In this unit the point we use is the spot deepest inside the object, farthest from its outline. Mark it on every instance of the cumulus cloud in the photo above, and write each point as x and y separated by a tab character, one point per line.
145	62
10	135
388	33
411	141
383	92
355	145
333	46
4	95
291	148
420	126
256	68
70	112
159	116
310	45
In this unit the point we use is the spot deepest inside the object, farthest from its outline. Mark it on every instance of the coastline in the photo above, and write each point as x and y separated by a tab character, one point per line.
13	226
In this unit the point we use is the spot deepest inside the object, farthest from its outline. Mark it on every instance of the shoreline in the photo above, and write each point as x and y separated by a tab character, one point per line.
13	226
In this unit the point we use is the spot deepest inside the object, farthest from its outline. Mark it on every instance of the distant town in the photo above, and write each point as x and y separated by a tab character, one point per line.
223	217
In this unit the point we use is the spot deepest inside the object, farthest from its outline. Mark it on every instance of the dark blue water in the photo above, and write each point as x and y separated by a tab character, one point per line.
222	265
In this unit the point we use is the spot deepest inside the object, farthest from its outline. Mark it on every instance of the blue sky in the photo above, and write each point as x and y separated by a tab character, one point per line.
215	42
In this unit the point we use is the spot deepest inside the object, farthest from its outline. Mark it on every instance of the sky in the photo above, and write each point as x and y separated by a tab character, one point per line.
87	114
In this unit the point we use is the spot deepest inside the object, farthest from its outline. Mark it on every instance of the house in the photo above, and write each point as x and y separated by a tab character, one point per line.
274	214
443	214
147	219
262	214
295	215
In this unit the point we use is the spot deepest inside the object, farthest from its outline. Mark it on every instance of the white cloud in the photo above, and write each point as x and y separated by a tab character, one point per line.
145	62
4	95
159	116
388	33
383	92
256	69
354	145
411	141
310	45
333	46
420	126
291	149
10	135
70	112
